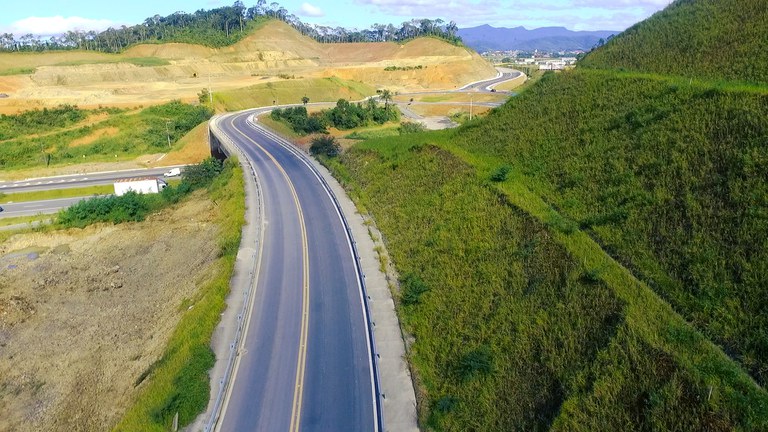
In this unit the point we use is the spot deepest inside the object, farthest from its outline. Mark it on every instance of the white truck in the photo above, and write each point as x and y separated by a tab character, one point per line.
139	185
173	172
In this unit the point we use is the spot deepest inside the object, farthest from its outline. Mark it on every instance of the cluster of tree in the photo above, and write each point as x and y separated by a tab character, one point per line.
221	27
345	115
299	120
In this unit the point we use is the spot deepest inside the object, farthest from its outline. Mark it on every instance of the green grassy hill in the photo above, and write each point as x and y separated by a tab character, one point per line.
713	39
613	275
69	135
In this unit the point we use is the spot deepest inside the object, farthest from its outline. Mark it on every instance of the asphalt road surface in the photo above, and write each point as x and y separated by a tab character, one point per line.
306	364
505	74
78	180
32	208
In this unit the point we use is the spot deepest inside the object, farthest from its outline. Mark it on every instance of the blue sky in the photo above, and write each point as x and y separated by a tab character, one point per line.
55	16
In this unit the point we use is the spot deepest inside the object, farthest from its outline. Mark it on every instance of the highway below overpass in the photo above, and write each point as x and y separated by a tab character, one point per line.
305	361
32	208
79	180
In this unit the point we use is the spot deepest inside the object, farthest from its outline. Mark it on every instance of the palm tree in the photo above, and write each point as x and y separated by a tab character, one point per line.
386	96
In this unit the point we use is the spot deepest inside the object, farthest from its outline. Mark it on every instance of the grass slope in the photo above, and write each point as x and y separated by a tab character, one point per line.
41	138
178	382
713	39
592	255
670	179
292	91
518	326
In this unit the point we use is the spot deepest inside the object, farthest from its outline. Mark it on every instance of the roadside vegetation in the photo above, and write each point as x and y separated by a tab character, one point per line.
344	116
178	382
591	255
135	207
518	321
63	135
670	179
38	121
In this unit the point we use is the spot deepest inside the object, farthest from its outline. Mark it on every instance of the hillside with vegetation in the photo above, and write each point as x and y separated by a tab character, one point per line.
592	255
69	135
712	39
272	61
220	27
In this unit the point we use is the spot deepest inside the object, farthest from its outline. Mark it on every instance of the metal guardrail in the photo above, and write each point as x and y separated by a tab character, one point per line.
358	265
229	147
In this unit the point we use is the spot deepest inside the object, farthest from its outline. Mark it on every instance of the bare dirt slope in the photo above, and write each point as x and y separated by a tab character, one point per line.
89	79
83	313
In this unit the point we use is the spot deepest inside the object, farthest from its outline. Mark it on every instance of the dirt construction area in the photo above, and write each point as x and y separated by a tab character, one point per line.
85	313
89	79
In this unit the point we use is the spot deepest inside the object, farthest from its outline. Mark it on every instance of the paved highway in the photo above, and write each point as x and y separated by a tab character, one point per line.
505	74
305	363
78	180
32	208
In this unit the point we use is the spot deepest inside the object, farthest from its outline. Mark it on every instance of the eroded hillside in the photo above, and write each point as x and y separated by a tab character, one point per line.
155	73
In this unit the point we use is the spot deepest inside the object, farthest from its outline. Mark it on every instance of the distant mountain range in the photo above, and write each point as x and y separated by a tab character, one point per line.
487	38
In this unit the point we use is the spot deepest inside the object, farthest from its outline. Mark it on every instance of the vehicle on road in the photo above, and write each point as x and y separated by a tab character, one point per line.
1	209
173	172
139	185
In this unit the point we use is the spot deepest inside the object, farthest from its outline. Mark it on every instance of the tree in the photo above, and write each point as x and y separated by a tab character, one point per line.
204	96
305	100
386	96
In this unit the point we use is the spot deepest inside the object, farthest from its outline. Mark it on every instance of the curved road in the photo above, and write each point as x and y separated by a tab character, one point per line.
505	74
306	362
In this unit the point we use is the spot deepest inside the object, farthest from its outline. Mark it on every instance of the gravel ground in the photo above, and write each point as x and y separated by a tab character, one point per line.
83	313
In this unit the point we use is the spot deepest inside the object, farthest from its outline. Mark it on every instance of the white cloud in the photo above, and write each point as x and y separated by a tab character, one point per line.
311	10
47	26
573	14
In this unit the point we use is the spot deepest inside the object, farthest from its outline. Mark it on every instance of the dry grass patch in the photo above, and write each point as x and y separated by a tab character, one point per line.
194	148
97	134
434	110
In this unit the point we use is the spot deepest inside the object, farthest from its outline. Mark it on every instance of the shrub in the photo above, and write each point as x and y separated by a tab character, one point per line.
475	362
202	174
500	174
325	145
409	127
412	288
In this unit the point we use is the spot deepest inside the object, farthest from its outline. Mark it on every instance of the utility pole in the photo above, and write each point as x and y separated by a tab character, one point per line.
210	92
470	107
167	132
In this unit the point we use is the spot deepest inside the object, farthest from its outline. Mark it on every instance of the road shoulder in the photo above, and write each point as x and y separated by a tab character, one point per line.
399	399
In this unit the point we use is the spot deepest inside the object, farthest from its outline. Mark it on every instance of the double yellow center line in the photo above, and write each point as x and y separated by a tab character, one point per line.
298	392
